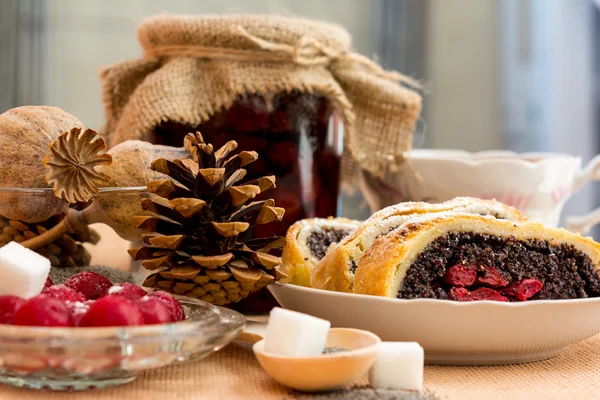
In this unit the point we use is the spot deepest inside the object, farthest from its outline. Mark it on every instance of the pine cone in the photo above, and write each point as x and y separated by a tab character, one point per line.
198	246
68	251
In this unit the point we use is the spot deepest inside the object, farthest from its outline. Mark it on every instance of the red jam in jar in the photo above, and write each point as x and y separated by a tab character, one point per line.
299	139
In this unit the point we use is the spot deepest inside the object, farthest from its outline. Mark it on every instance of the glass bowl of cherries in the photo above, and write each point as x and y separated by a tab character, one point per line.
88	333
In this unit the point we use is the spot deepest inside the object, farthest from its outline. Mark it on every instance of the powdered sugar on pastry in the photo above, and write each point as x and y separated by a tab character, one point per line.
336	270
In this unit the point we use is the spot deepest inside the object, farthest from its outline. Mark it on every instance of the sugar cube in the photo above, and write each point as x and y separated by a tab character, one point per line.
398	365
23	272
291	333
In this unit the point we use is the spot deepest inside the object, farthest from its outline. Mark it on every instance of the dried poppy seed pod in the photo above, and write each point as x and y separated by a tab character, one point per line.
71	165
25	136
131	168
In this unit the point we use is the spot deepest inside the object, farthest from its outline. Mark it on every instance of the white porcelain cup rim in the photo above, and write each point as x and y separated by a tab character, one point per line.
530	160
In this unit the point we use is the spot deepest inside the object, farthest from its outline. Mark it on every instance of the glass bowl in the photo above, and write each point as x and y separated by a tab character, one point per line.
27	212
88	358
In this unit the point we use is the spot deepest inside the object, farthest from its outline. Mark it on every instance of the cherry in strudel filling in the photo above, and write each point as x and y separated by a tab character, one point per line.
467	266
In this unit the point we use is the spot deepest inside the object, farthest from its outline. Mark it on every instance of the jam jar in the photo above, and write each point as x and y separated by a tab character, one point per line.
299	139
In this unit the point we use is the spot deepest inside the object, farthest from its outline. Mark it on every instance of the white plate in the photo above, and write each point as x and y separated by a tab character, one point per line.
464	333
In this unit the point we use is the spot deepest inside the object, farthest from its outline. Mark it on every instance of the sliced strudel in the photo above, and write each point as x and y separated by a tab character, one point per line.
469	257
307	242
336	270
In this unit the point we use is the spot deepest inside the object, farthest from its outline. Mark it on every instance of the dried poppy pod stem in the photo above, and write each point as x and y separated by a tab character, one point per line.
74	222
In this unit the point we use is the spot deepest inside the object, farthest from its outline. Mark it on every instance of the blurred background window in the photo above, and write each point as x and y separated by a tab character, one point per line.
515	74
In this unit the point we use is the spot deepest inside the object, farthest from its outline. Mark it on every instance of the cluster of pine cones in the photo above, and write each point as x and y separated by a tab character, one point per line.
67	251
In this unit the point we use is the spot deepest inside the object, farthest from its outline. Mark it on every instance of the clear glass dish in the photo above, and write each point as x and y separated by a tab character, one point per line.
88	358
98	232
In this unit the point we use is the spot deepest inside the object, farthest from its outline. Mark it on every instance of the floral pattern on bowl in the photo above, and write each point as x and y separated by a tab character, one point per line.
538	184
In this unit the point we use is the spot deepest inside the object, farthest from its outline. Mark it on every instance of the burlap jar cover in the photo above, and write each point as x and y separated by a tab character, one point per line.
195	66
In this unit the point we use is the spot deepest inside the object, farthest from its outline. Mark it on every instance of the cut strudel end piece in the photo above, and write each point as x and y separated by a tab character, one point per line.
336	270
469	257
308	241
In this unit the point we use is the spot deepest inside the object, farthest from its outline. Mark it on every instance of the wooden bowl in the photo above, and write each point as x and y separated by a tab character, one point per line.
328	371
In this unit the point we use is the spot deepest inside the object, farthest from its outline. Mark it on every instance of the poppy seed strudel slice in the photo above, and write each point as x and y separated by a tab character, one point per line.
307	242
468	257
336	270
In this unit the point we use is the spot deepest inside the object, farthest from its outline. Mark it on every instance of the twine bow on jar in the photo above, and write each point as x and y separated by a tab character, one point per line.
309	51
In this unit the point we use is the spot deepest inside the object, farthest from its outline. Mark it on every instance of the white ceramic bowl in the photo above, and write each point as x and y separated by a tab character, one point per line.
464	333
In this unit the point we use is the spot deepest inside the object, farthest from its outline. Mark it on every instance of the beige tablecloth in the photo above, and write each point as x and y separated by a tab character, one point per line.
234	373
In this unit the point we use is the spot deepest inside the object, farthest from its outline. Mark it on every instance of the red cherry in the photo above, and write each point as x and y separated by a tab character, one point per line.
459	294
128	290
249	114
487	294
155	311
491	277
63	293
280	121
463	294
327	168
283	154
90	284
112	311
258	142
217	123
461	275
523	289
43	310
78	310
48	283
258	168
288	198
9	305
172	304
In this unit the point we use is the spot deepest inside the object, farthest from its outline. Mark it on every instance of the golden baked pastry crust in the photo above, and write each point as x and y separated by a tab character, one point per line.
297	260
383	267
332	273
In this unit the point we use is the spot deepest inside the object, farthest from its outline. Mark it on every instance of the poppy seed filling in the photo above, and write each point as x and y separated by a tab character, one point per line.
319	240
352	266
566	273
